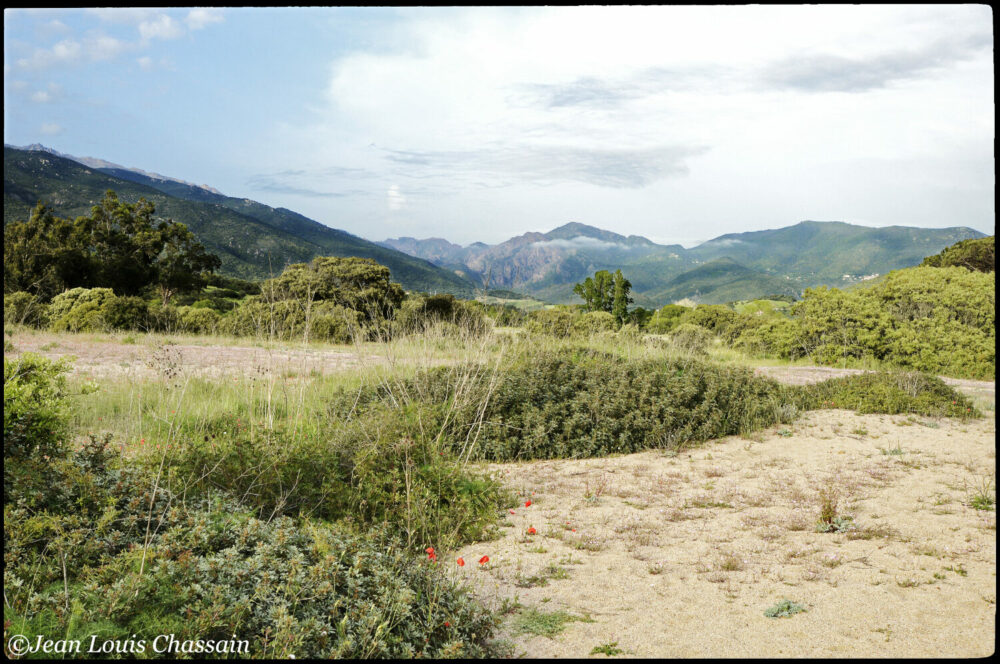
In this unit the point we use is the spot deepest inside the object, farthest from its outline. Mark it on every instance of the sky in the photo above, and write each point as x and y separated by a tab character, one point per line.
477	124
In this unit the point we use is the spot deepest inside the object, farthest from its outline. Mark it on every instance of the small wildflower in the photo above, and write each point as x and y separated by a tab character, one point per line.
461	562
527	503
531	531
484	560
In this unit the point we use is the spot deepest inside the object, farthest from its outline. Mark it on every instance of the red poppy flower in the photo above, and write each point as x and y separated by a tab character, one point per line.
484	560
429	549
461	562
512	512
447	624
527	503
531	531
432	556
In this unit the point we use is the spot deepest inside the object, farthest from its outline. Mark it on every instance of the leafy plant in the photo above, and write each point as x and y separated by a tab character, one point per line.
784	609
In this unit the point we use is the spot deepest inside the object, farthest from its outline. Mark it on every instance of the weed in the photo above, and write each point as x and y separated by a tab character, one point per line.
541	579
784	609
982	494
610	649
541	623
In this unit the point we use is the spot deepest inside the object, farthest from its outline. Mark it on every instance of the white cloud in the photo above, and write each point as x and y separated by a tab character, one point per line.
70	51
50	128
145	63
161	26
395	198
201	17
41	97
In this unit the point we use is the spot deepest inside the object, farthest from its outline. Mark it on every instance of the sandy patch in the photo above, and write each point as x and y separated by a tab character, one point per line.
679	556
98	357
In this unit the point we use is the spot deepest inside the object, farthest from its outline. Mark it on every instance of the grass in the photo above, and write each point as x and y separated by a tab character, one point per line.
542	623
610	649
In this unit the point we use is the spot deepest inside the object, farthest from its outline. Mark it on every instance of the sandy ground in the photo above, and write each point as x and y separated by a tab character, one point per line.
679	556
100	356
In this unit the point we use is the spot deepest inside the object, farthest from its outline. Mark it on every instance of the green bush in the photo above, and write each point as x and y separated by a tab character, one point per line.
24	309
34	407
939	320
79	309
125	313
198	320
888	392
559	323
581	403
979	255
666	318
594	322
692	338
93	545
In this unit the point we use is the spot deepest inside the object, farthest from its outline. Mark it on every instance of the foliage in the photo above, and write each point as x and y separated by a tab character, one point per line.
976	254
25	309
418	313
784	609
691	338
606	292
666	318
34	408
939	320
119	246
581	403
80	309
890	393
557	322
77	526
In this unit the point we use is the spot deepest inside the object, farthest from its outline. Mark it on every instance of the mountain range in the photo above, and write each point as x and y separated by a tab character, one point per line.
737	266
253	240
256	241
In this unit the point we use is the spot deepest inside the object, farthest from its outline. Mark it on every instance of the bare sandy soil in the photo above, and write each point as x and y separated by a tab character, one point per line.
99	357
680	556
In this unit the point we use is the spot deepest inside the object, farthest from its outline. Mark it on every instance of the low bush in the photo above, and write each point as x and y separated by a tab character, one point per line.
583	403
24	309
80	309
890	393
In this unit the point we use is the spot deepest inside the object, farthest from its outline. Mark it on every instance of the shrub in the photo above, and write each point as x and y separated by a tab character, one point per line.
581	403
125	313
22	308
79	309
888	392
692	338
666	318
594	322
198	320
556	322
34	408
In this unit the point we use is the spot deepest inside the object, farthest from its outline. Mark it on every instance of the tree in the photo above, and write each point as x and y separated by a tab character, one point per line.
606	292
978	255
119	246
619	307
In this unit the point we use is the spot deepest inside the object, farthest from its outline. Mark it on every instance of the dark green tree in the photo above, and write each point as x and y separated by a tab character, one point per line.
606	292
978	255
597	291
119	246
622	298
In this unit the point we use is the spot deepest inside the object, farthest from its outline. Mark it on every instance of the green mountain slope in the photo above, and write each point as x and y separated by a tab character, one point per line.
823	252
252	239
723	280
